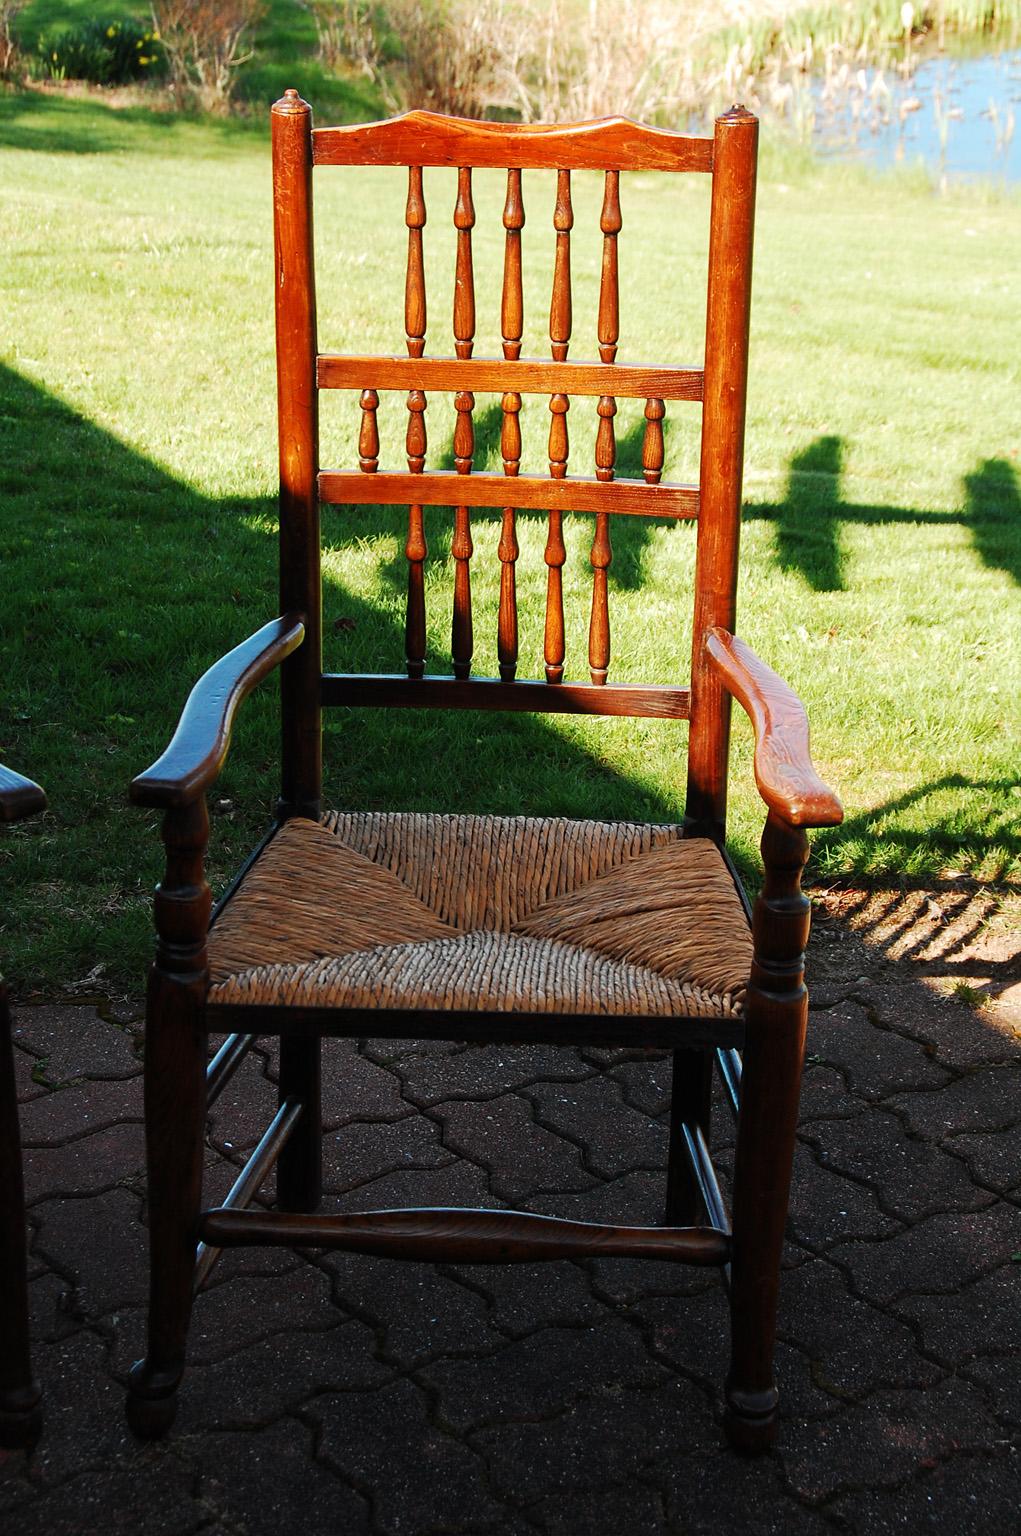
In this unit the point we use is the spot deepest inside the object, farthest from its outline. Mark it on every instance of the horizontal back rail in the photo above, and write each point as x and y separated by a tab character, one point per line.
425	139
446	488
524	376
395	691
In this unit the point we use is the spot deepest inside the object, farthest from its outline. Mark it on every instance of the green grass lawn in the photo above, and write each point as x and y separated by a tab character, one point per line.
881	555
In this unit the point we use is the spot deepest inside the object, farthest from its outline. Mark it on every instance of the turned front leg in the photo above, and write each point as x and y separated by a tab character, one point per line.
777	1012
175	1111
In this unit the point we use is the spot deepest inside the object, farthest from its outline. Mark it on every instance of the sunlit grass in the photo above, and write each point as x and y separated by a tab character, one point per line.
881	554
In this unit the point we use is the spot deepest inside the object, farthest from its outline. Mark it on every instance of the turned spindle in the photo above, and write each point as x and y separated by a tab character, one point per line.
368	436
609	287
511	325
415	549
652	442
461	639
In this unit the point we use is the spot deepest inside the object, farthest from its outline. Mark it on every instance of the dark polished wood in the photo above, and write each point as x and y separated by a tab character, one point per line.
199	746
19	797
728	310
777	1013
468	1236
380	690
564	493
425	138
298	432
20	1394
772	1026
784	773
494	375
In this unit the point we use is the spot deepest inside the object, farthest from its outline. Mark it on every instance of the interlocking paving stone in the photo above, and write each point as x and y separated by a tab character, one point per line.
987	1099
251	1477
541	1375
886	1440
357	1154
73	1042
443	1488
876	1062
988	1313
98	1242
331	1392
87	1165
26	1083
938	1255
911	1177
991	1157
969	1495
484	1071
959	1036
593	1115
262	1382
540	1161
56	1118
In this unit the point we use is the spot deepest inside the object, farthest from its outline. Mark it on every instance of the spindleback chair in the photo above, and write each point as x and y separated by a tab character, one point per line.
20	1415
487	928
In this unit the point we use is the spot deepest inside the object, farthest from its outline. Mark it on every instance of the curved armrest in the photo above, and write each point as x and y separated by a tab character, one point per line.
19	797
199	746
787	781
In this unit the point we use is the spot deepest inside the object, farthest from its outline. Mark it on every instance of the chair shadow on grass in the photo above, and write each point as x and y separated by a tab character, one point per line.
809	520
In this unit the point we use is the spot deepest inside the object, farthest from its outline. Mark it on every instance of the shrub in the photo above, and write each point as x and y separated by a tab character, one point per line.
205	42
104	52
11	66
348	34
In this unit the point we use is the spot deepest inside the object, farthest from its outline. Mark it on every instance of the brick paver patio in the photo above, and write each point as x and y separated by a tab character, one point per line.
331	1393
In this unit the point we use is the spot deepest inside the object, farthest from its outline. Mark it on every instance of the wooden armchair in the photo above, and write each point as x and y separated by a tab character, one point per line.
20	1416
474	927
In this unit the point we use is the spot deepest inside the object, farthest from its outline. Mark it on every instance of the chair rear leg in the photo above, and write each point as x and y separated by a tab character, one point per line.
770	1087
20	1413
690	1103
175	1114
300	1168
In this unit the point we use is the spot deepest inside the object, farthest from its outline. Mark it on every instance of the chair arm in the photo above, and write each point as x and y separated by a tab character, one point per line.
19	797
199	746
787	781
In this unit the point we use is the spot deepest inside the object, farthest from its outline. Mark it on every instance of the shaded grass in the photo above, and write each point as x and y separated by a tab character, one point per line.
881	554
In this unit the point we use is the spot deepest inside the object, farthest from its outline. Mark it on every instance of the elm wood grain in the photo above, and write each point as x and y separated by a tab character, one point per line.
482	1027
511	325
416	549
773	1059
426	138
19	797
199	746
368	435
298	429
467	1236
652	441
253	1175
524	375
786	779
610	222
728	308
379	690
20	1396
570	493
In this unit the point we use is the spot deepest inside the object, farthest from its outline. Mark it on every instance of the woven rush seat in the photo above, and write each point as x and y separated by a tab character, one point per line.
514	914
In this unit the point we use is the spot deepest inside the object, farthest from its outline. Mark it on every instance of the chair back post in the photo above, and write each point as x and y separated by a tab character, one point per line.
728	303
298	421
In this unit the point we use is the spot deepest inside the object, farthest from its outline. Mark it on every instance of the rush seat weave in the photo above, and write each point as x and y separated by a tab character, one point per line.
511	914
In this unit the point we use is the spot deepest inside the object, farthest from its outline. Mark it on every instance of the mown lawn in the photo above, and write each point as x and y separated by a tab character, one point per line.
881	555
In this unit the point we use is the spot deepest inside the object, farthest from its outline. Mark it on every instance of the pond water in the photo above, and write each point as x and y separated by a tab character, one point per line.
959	116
